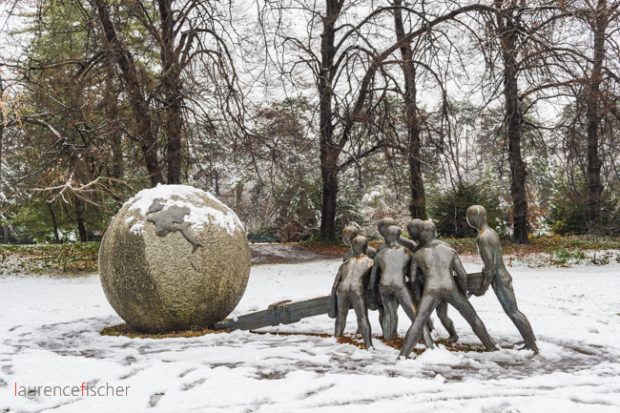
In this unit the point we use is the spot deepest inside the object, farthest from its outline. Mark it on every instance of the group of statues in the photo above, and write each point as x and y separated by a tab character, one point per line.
422	275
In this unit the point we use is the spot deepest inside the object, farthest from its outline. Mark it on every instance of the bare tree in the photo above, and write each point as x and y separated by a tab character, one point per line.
417	206
188	35
348	63
602	19
529	54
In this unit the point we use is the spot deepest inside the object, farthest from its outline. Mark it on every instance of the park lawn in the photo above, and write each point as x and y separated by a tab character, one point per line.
53	333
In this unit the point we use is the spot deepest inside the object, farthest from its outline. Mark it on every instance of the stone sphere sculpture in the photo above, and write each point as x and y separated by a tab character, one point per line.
174	258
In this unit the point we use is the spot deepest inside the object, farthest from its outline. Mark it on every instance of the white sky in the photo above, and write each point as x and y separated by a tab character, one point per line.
250	56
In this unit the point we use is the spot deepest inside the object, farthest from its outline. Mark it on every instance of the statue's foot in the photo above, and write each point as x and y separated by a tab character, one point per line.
533	347
452	339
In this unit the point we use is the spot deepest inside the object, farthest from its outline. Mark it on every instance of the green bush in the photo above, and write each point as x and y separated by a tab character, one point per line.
447	208
568	210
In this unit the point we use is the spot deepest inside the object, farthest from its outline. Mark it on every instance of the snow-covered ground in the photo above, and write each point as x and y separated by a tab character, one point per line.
49	335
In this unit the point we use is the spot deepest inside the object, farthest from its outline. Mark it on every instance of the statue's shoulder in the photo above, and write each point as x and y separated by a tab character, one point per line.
368	261
443	247
488	235
422	251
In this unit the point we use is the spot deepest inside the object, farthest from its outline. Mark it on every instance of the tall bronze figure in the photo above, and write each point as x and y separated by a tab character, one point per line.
389	322
392	268
496	274
413	228
350	288
438	262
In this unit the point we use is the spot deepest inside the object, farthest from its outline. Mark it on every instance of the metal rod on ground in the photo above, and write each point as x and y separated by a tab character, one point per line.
288	312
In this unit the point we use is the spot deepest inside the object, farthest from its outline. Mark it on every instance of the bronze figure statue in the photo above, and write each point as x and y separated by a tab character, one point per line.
413	228
350	287
389	321
438	262
383	224
348	233
391	272
495	273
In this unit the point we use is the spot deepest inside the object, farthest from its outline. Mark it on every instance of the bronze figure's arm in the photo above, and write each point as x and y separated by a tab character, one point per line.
407	243
373	304
415	283
333	301
488	255
461	275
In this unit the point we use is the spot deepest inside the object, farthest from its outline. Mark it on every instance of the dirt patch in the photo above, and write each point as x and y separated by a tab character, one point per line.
126	331
397	342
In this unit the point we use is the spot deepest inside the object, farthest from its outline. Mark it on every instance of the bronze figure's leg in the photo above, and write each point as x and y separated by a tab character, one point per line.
442	313
430	326
506	296
343	309
363	326
381	311
416	295
427	305
463	306
390	315
404	298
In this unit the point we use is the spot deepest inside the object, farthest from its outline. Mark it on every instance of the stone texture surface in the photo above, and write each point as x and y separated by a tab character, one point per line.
160	283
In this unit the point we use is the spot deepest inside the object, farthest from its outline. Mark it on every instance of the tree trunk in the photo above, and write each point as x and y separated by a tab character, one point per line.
329	150
513	123
329	193
6	234
417	203
54	223
593	119
216	183
137	100
79	218
111	111
173	97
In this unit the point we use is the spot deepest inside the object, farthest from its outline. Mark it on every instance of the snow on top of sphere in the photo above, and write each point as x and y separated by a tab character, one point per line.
185	196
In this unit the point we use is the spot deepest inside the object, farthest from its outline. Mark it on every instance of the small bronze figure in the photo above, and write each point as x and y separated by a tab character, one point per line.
390	274
391	320
413	228
438	263
350	288
383	224
496	274
348	233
